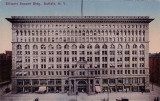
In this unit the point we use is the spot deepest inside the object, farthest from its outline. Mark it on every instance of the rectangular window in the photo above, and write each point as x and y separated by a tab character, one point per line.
97	59
66	52
112	52
127	59
104	59
112	59
104	65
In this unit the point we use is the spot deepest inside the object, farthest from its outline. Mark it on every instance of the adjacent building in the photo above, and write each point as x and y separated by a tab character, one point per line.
80	53
154	68
5	67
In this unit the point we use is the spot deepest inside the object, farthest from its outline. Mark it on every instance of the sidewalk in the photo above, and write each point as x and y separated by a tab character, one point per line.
132	96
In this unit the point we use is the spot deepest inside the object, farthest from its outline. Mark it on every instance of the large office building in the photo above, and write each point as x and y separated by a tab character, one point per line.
80	53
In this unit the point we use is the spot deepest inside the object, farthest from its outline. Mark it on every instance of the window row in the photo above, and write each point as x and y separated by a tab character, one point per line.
81	73
65	66
81	46
80	33
134	80
119	52
81	39
80	26
81	59
73	53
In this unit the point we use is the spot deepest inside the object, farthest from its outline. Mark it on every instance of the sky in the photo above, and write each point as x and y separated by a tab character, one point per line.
73	8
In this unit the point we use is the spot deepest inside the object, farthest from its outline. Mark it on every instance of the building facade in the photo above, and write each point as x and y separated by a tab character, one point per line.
154	68
80	53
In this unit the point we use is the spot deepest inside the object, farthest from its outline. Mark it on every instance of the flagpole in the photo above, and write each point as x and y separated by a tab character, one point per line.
81	7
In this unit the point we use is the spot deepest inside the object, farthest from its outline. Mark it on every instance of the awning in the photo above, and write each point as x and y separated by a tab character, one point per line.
25	73
20	73
98	88
41	89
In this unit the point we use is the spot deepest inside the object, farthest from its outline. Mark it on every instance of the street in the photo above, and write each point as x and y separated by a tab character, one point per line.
132	96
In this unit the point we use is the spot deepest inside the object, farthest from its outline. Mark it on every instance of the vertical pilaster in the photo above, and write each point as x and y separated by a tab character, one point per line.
62	86
14	87
75	86
70	86
89	87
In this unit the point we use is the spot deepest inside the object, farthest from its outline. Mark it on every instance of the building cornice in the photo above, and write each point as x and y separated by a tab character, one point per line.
79	19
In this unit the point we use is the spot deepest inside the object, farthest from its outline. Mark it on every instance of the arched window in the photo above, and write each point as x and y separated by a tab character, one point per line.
83	31
87	32
132	32
50	47
91	32
134	46
119	46
37	39
121	32
102	31
139	32
81	46
64	32
60	31
41	40
43	47
56	32
143	32
19	47
106	32
17	32
142	46
27	47
89	46
74	46
112	46
127	46
97	46
58	46
72	32
136	32
68	32
125	32
104	46
110	32
35	47
66	46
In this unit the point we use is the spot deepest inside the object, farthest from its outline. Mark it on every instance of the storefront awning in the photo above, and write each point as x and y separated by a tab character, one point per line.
20	73
41	89
98	88
25	72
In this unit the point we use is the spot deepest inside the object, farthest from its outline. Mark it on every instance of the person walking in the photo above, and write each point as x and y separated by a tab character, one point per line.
37	99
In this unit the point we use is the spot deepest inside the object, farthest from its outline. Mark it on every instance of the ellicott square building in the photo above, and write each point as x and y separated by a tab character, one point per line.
70	54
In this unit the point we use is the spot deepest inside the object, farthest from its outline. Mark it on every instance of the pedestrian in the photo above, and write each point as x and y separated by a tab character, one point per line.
142	92
36	99
156	99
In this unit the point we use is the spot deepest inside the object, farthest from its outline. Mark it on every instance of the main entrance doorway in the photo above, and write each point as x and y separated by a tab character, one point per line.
82	86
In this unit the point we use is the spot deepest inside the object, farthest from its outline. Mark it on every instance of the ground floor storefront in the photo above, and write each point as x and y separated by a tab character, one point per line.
73	86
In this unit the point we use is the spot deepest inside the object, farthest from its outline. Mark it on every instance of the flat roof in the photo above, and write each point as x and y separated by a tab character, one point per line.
47	19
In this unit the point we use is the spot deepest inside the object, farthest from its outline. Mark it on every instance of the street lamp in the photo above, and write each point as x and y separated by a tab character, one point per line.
108	92
76	96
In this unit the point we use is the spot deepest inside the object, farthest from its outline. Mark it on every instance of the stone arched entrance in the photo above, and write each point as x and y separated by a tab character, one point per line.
82	86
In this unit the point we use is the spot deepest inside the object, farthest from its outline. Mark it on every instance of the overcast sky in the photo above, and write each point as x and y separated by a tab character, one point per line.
73	8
